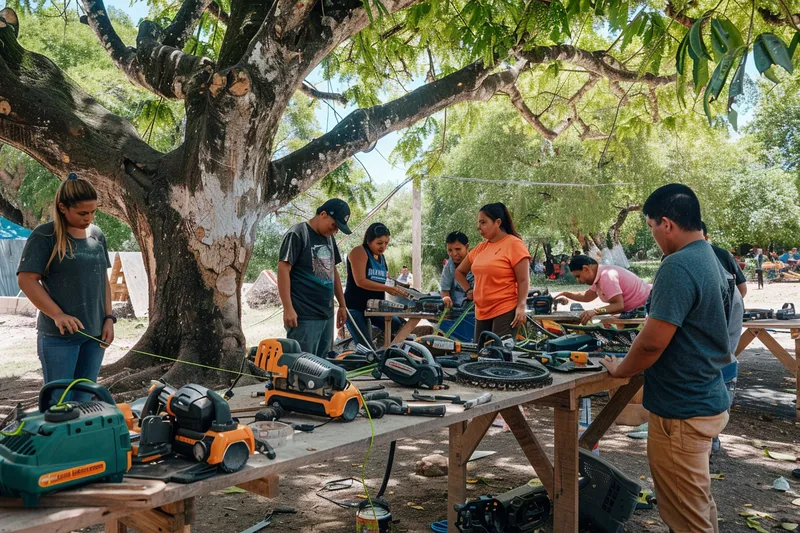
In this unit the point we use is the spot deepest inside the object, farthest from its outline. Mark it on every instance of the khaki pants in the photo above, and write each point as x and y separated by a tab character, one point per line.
678	451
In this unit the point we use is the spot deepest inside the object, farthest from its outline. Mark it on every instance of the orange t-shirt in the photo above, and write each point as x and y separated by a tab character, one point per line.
495	283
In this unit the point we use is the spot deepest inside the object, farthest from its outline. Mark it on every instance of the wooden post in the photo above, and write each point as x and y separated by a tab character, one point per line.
796	336
565	493
456	473
416	234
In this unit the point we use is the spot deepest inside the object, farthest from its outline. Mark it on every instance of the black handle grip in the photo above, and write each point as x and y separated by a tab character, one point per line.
46	394
421	351
486	336
426	410
152	403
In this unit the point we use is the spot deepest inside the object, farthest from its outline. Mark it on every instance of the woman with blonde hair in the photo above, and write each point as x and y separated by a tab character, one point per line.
63	273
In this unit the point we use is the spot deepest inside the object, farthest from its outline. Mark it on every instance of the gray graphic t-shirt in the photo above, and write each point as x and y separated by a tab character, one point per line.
77	283
313	259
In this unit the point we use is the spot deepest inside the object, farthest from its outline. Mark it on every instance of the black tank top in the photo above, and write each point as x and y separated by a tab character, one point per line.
376	270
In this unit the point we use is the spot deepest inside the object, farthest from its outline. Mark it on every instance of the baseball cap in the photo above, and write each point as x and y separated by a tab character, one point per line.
339	211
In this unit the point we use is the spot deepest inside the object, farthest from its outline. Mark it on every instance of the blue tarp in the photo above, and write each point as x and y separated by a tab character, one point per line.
9	230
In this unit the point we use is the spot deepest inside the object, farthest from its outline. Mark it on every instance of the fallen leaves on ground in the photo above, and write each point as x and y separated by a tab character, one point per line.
778	456
415	506
233	490
718	476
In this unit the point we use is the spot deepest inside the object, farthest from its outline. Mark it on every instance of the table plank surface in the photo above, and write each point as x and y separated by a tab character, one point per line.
325	443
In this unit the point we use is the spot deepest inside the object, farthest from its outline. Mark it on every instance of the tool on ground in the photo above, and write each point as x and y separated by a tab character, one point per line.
263	524
607	498
192	421
63	444
786	312
373	516
758	314
521	510
504	375
486	397
539	301
410	364
566	361
303	382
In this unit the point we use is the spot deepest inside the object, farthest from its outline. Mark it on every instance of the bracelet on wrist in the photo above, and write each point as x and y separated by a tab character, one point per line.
112	317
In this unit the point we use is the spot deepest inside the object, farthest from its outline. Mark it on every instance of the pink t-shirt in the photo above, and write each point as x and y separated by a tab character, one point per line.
613	280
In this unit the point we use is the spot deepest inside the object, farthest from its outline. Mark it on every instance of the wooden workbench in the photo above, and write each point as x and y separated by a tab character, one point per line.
757	329
170	508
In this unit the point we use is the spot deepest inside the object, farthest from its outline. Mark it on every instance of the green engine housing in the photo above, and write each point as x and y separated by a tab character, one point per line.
62	448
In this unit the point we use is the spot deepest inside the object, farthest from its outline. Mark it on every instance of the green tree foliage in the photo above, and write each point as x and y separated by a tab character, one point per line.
776	125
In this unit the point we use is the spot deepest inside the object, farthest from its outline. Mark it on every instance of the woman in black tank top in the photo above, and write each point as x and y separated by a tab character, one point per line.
366	280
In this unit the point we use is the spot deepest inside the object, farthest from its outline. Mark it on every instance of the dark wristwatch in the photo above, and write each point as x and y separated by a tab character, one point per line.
112	317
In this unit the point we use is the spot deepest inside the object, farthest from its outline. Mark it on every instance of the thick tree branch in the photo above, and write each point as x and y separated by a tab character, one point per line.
552	133
184	23
776	20
123	56
678	16
307	89
47	115
615	228
163	70
360	130
248	17
166	70
592	62
216	11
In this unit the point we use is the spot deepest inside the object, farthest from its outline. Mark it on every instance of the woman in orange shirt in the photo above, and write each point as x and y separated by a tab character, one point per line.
500	265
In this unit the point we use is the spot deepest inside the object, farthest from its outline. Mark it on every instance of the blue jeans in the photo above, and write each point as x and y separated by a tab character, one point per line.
314	336
69	357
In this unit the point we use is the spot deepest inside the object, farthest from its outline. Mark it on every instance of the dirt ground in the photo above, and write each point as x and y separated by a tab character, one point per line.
762	419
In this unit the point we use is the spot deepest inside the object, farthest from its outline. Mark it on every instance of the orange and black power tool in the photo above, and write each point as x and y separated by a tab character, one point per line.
304	383
192	421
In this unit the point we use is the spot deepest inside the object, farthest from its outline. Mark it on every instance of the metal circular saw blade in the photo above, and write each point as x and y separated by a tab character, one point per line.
504	375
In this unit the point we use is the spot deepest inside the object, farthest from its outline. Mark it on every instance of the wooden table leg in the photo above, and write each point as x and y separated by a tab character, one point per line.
456	473
777	350
387	331
531	446
115	526
565	493
464	439
745	340
405	331
175	517
796	337
610	412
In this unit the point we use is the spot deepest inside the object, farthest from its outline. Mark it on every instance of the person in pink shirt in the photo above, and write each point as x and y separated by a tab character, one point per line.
621	289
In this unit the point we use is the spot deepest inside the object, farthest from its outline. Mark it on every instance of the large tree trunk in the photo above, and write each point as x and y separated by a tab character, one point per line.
196	268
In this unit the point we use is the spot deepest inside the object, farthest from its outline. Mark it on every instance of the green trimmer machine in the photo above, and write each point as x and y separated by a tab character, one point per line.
64	444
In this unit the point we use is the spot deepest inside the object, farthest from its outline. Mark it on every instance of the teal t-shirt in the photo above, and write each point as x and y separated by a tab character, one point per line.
691	291
77	283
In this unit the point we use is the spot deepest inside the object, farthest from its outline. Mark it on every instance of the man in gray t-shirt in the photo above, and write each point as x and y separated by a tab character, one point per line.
457	249
308	279
682	349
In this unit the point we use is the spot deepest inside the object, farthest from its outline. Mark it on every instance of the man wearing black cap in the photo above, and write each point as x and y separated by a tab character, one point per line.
308	279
